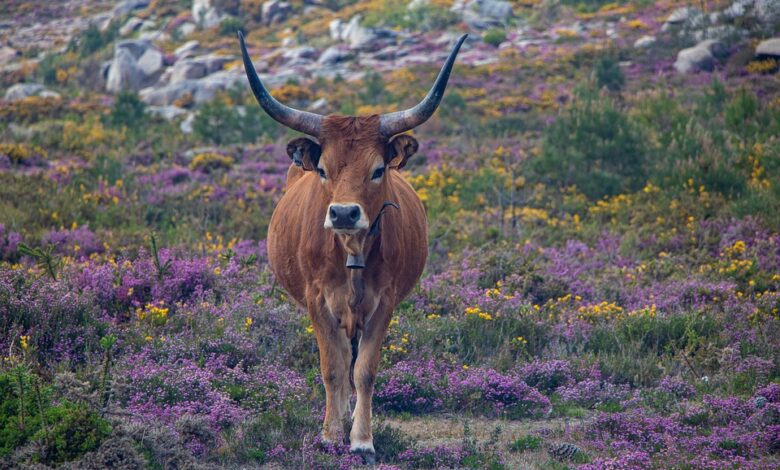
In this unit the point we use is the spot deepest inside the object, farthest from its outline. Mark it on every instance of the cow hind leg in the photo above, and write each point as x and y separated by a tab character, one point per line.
361	437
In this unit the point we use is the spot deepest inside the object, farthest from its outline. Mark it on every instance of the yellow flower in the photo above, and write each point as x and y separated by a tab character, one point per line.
148	338
248	322
465	367
24	340
217	271
310	329
433	316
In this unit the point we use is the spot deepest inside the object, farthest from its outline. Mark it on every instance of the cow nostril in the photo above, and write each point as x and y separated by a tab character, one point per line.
334	215
354	213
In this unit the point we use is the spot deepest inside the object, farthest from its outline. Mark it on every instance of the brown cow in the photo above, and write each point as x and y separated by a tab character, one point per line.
348	240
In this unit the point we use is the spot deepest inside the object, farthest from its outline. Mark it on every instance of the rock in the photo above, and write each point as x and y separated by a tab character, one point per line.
131	26
166	112
136	47
201	90
23	90
737	9
366	39
644	42
682	14
186	124
206	13
186	29
334	55
187	49
318	105
195	67
497	9
482	14
7	54
700	57
769	47
123	73
49	94
275	11
302	52
124	7
767	12
153	36
721	32
151	64
336	27
417	4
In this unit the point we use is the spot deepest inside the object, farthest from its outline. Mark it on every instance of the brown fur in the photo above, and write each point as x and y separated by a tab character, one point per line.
309	260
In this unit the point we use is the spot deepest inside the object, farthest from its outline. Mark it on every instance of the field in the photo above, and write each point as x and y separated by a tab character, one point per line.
603	282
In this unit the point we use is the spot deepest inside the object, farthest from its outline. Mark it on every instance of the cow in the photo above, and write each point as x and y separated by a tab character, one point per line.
348	239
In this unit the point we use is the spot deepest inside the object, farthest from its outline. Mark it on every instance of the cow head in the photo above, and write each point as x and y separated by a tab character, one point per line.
352	154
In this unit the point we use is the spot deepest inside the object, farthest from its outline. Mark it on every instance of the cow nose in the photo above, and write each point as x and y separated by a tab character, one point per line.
344	216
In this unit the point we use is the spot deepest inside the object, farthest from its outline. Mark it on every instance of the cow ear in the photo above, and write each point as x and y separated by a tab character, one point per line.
399	149
304	152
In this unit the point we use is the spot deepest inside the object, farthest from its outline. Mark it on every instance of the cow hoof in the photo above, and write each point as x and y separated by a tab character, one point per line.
368	456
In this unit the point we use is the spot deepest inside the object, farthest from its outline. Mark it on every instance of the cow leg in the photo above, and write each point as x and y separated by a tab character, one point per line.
361	437
335	359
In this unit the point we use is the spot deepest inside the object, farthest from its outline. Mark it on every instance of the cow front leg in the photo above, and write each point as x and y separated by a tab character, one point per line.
335	359
361	437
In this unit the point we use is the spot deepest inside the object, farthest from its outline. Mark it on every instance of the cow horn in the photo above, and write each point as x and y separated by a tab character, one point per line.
301	121
402	121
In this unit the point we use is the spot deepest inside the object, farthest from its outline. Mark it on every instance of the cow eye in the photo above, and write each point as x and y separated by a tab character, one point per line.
378	173
321	171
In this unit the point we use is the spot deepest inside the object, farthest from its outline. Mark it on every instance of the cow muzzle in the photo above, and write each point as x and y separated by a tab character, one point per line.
346	218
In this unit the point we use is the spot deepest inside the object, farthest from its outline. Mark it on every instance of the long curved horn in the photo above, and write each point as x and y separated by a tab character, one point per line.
301	121
401	121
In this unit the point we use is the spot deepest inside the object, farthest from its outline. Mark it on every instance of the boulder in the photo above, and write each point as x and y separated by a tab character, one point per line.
201	90
275	11
301	52
23	90
126	6
194	67
701	57
769	48
151	64
336	27
7	54
132	25
767	12
737	9
334	55
206	13
187	49
688	17
136	64
186	124
123	74
166	112
644	42
482	14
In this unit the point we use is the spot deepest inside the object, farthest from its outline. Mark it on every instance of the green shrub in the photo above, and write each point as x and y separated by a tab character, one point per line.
218	123
494	36
609	75
229	26
128	111
525	443
594	146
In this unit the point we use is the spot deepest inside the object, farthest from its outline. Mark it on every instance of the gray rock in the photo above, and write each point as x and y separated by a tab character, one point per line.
186	29
334	55
737	9
123	73
136	47
186	124
23	90
768	12
7	54
336	27
275	11
700	57
131	26
721	32
769	47
301	52
166	112
318	105
682	14
201	90
127	6
482	14
151	63
497	9
195	67
154	36
49	94
206	13
187	49
644	42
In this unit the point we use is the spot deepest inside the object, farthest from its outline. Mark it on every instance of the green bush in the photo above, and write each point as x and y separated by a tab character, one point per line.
594	146
525	443
128	111
609	74
494	36
218	124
